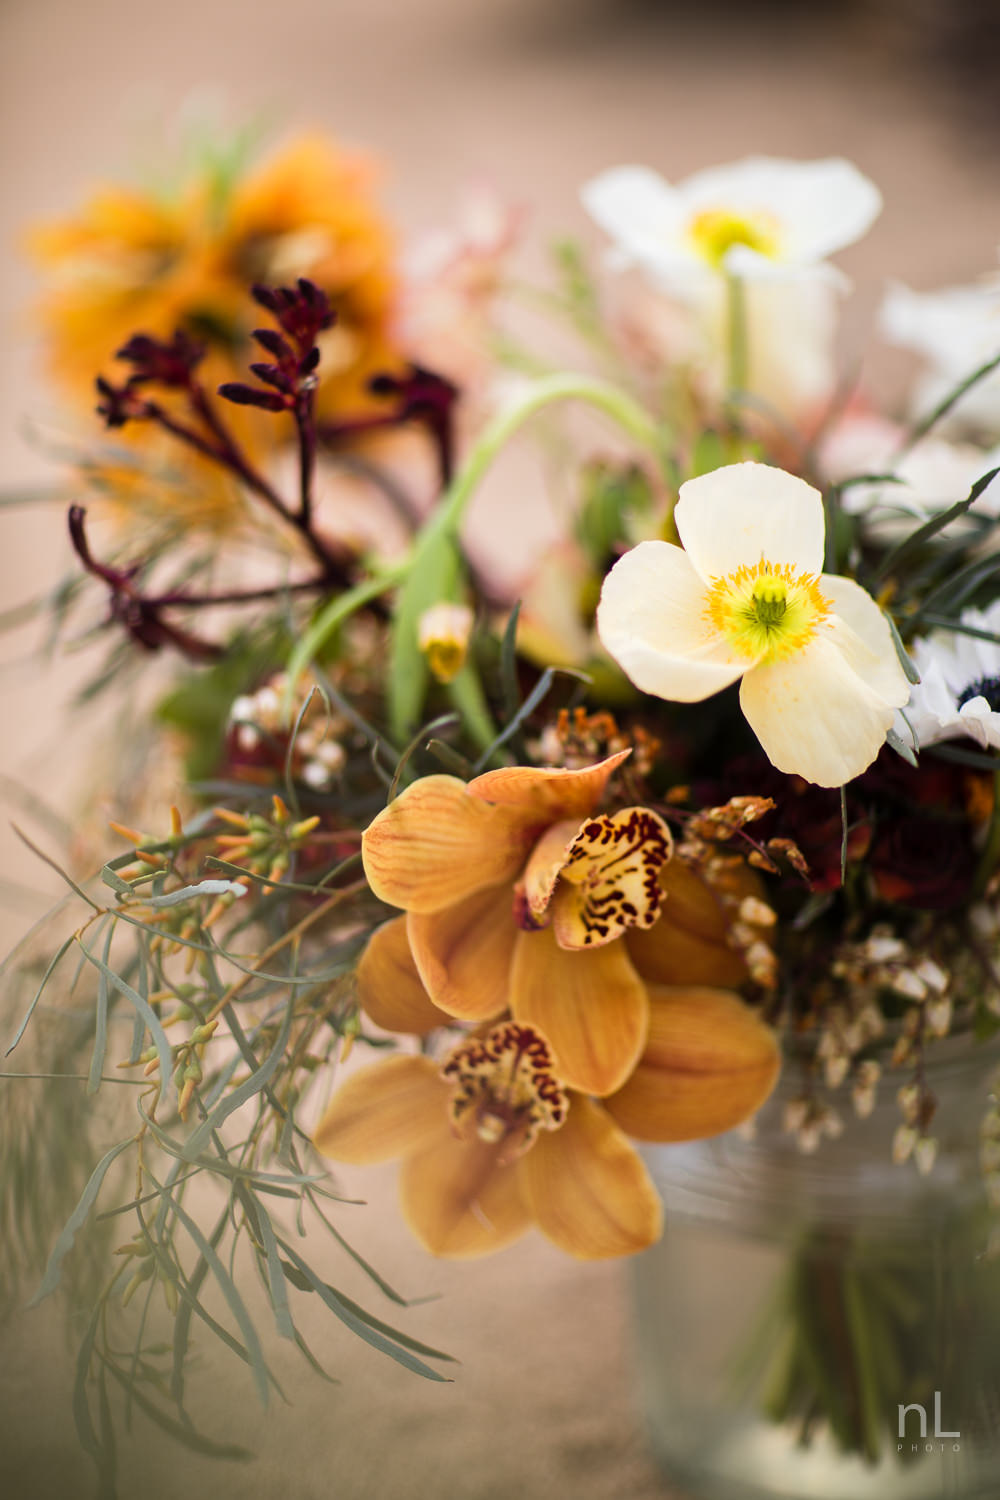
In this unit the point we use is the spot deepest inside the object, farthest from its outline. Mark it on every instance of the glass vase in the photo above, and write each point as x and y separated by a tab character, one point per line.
827	1326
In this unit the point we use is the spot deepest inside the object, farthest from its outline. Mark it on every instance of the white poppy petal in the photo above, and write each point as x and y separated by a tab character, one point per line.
814	716
735	515
980	722
652	620
818	206
639	211
830	204
862	632
959	673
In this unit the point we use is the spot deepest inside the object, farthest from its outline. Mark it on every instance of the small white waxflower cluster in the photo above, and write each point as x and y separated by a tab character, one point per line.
811	1120
258	717
846	1032
884	961
867	969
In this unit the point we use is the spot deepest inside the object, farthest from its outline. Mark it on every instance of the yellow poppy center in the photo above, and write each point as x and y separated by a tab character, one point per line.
716	230
505	1088
767	611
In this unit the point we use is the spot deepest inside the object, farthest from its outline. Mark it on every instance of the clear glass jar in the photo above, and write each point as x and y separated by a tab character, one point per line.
797	1305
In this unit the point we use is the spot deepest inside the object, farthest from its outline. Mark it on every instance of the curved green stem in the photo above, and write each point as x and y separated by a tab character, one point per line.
330	618
736	332
428	564
617	404
423	569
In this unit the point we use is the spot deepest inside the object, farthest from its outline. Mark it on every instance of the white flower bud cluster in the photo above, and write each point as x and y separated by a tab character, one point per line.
810	1120
746	937
847	1030
258	717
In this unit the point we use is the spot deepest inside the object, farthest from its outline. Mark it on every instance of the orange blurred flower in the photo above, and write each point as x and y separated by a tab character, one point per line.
132	262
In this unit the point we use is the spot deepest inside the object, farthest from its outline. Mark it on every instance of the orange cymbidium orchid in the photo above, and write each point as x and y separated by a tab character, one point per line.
519	894
492	1142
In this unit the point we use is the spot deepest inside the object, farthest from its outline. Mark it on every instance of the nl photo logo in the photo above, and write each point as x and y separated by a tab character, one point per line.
939	1434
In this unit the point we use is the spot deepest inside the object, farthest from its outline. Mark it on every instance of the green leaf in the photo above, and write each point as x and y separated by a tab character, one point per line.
75	1222
100	1022
182	1431
258	1080
454	763
275	1277
613	496
896	742
202	888
963	757
426	731
144	1008
113	880
930	529
438	578
943	407
54	962
380	1335
510	687
81	1407
466	692
959	586
329	620
905	660
233	1299
538	693
709	452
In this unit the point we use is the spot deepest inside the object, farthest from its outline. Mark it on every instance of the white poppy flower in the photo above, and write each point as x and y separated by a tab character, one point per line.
758	217
955	330
745	598
958	695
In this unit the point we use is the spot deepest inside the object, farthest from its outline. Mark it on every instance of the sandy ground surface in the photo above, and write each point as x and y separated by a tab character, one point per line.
536	97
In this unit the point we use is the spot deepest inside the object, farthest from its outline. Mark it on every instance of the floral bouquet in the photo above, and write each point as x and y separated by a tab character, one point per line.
543	885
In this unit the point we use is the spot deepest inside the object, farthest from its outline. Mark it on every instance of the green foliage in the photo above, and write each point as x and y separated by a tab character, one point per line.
614	498
198	703
230	1042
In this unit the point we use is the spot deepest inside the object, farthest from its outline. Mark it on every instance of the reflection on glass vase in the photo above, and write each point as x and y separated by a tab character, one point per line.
827	1327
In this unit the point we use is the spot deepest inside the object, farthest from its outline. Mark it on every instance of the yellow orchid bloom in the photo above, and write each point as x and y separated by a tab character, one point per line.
518	893
492	1141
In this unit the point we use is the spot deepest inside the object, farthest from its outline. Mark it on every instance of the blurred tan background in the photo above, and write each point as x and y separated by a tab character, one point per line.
534	95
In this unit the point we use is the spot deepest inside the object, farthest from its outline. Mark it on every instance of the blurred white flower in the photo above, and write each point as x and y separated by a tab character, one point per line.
932	476
955	330
958	695
761	217
791	329
745	598
769	222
